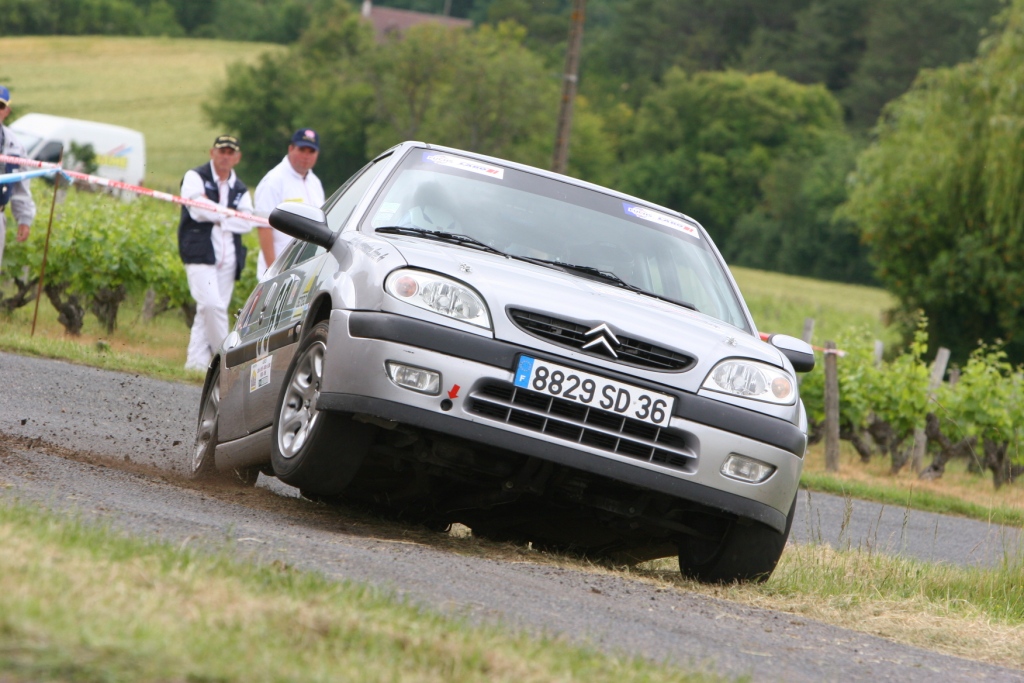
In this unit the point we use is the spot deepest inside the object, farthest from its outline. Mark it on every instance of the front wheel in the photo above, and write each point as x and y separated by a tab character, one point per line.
749	551
318	452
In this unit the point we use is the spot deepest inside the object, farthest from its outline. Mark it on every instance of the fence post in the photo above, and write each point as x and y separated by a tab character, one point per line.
920	439
808	334
831	408
879	352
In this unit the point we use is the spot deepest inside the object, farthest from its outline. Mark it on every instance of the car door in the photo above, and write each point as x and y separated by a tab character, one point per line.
273	322
276	338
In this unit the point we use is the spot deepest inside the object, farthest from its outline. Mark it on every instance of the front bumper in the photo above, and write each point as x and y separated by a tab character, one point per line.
684	462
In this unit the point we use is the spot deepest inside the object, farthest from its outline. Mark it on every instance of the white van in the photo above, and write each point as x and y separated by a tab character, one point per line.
120	152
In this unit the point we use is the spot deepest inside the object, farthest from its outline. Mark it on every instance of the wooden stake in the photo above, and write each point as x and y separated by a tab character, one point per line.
46	246
920	438
831	408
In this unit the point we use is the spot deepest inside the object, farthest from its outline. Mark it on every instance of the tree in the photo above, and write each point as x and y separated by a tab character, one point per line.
705	143
901	38
314	84
480	90
822	43
793	228
938	196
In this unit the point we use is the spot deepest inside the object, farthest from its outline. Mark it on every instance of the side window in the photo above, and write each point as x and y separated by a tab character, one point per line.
285	260
348	196
308	251
51	152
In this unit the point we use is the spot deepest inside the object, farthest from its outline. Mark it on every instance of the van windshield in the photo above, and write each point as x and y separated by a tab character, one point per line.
29	141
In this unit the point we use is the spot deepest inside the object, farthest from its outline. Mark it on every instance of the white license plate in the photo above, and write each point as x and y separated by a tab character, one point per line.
593	390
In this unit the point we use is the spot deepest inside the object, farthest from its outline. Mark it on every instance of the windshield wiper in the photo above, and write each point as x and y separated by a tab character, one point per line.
608	276
441	235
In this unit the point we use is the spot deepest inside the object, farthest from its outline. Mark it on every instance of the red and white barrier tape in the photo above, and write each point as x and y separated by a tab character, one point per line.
155	194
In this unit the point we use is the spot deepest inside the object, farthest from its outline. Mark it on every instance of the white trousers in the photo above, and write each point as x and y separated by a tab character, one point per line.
211	287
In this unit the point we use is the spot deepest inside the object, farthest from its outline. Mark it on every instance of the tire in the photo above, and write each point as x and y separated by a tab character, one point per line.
201	465
318	452
748	552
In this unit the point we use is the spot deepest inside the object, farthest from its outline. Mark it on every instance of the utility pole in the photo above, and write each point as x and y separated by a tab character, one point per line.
569	80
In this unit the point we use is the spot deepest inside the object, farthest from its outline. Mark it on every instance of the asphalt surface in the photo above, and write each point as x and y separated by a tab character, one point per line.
113	447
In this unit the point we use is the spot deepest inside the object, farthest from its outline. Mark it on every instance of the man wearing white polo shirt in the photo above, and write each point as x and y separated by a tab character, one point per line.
292	180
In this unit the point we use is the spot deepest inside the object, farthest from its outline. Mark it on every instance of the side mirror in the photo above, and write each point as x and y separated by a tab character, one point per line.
303	222
799	352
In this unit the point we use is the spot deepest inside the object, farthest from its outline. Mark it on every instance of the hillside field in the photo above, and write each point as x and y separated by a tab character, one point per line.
154	85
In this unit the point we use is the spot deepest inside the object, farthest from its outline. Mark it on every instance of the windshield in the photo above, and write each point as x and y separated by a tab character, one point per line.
531	216
28	141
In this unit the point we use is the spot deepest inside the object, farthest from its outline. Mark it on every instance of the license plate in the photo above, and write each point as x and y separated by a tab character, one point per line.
593	390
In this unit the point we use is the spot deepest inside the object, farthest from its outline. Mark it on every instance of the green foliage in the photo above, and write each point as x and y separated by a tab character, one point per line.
901	38
897	391
988	400
890	400
937	197
705	142
866	52
100	245
893	392
480	90
81	17
315	84
793	228
84	157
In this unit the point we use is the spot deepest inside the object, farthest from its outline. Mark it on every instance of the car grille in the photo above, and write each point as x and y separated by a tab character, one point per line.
572	334
600	429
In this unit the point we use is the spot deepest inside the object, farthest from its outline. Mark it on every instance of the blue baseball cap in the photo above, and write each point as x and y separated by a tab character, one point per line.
306	137
5	95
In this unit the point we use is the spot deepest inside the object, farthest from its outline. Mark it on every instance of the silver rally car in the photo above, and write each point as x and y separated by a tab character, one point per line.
457	338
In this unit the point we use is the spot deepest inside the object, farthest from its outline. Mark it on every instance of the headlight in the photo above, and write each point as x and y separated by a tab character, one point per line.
439	294
752	380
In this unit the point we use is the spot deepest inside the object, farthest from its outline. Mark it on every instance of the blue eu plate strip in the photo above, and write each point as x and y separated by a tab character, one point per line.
523	372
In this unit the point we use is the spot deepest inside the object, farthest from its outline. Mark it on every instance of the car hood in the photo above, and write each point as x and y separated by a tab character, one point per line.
507	283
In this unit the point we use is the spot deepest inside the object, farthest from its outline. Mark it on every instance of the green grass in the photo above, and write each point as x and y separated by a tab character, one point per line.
780	303
99	354
78	602
154	85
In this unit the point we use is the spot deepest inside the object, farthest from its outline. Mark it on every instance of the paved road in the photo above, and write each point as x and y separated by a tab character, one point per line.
149	423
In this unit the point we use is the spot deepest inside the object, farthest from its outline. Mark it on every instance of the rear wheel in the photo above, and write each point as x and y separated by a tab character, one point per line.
748	551
202	465
318	452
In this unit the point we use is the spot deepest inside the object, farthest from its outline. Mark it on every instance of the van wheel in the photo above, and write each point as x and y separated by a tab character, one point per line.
749	551
316	451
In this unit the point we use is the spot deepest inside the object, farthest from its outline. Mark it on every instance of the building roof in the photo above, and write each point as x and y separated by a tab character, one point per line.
389	21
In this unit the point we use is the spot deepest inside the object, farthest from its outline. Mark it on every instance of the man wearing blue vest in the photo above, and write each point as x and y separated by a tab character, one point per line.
210	246
18	195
